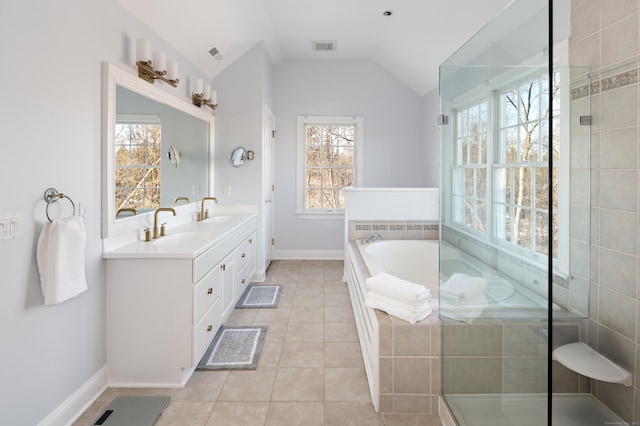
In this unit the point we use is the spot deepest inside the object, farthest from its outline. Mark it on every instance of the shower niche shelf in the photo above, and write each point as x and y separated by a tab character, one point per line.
582	359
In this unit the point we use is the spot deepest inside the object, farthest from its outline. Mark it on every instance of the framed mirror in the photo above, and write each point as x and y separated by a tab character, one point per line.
157	148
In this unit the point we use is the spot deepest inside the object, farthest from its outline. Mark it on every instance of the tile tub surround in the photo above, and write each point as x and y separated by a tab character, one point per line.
394	229
311	370
407	369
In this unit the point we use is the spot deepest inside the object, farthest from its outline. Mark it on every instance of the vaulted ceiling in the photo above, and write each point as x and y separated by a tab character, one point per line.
410	43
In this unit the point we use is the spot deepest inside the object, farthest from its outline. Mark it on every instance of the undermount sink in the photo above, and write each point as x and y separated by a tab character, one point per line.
180	238
217	219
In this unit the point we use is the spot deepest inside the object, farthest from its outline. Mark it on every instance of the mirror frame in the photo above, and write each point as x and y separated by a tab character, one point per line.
113	76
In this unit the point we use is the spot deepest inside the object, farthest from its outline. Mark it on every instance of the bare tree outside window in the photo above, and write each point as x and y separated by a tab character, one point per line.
522	166
519	165
137	165
329	164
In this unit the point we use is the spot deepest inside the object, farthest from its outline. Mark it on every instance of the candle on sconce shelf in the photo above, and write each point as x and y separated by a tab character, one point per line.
214	97
143	52
172	70
159	61
197	86
206	93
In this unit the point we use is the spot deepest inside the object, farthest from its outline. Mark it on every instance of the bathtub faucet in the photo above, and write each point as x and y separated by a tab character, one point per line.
371	238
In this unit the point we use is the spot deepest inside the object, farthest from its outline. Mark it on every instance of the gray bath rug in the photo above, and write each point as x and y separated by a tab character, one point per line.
234	348
259	296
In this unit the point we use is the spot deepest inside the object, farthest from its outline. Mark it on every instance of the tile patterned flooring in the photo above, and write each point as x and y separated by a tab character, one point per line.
310	372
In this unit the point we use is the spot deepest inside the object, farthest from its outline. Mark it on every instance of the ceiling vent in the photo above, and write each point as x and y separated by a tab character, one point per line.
216	54
324	45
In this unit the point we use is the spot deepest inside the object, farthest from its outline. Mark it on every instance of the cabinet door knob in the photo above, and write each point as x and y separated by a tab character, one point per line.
223	267
243	280
243	255
209	291
250	241
209	328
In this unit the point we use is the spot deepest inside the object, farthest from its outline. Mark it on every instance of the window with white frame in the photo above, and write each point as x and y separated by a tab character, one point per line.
329	156
501	141
138	158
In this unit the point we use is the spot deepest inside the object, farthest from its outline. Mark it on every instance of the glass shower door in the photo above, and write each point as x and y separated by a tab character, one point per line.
512	148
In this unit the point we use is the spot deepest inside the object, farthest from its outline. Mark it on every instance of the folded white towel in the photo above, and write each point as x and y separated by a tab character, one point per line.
419	308
404	291
464	311
410	316
461	287
61	259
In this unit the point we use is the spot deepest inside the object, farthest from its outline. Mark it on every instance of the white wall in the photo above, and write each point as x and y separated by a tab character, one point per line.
50	134
393	130
431	110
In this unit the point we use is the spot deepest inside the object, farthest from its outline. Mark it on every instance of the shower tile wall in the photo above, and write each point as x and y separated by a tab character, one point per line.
604	36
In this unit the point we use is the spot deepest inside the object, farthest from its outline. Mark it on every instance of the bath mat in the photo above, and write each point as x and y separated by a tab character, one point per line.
259	296
234	348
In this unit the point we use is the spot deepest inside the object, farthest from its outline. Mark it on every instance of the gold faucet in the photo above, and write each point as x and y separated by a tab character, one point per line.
185	199
202	215
126	209
155	219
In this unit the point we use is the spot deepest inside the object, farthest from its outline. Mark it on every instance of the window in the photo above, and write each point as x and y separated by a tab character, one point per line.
501	141
521	167
470	167
329	152
137	162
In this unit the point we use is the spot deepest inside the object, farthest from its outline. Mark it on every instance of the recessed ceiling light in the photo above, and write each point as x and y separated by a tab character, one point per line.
387	13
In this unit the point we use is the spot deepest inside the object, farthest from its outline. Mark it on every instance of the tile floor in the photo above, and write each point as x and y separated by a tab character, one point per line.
310	373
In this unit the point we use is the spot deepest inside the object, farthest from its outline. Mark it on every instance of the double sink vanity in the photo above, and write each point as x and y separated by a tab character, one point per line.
166	298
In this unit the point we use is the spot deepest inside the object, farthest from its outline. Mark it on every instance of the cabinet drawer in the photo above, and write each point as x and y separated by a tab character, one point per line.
207	260
246	230
242	255
205	292
204	331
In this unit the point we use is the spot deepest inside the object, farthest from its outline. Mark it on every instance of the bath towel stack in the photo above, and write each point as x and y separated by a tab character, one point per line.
403	299
462	297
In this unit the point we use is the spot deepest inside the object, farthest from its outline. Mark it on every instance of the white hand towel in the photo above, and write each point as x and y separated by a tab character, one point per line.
404	291
61	259
461	287
418	309
406	315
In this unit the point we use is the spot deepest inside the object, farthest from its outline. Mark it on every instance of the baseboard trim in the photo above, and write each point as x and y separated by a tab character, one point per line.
309	254
73	407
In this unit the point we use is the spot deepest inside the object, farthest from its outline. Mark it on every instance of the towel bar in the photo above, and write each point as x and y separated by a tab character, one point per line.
52	195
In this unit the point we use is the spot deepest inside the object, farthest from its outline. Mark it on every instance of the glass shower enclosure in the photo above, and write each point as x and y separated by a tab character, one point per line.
514	235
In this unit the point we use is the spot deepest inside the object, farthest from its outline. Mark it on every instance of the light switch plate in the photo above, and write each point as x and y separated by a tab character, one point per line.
9	226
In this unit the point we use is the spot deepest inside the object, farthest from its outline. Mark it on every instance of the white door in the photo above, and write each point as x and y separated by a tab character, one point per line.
268	188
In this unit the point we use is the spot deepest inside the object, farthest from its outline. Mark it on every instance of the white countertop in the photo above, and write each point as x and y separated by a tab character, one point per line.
196	238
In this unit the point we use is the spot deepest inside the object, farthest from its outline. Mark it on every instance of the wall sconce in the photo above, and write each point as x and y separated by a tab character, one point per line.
203	95
159	68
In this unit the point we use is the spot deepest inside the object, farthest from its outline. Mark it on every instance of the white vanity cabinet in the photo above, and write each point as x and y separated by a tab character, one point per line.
163	311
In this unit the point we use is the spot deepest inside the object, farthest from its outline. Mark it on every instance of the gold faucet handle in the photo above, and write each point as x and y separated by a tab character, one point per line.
147	234
163	230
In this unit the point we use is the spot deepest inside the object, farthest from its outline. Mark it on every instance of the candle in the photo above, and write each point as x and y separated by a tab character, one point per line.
172	70
143	53
159	61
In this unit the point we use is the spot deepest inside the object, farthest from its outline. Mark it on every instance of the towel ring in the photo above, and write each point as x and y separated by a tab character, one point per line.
52	195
